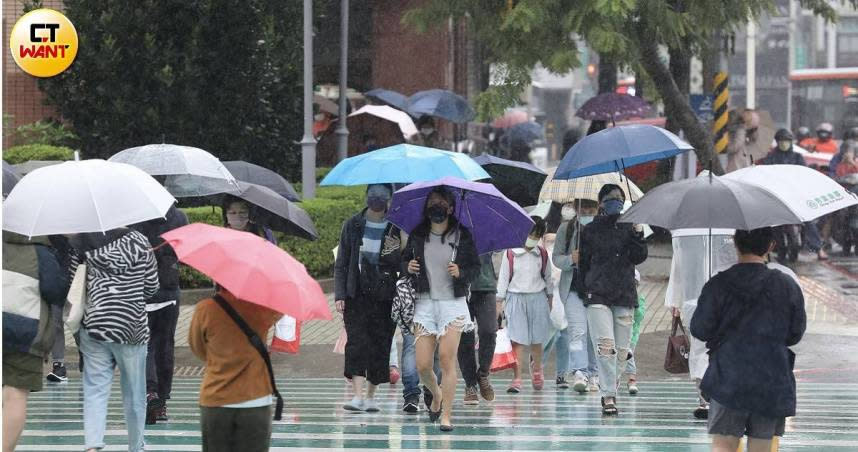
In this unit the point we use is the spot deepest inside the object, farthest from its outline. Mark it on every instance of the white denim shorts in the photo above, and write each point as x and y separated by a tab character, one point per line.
432	317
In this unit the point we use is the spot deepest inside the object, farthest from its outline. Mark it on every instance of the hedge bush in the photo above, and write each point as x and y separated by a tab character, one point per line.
20	154
328	215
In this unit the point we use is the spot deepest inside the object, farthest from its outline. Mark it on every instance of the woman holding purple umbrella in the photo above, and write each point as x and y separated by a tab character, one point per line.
441	254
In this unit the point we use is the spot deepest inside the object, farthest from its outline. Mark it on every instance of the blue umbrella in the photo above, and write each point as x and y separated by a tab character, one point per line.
403	163
525	131
495	222
386	96
618	148
441	103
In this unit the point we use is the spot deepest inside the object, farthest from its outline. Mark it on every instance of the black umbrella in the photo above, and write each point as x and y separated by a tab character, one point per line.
255	174
276	212
10	178
518	181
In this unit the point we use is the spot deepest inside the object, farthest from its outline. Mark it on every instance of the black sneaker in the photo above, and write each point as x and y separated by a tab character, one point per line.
561	382
58	374
162	413
411	404
153	406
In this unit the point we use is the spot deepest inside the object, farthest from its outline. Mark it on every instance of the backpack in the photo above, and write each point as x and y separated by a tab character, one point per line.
543	253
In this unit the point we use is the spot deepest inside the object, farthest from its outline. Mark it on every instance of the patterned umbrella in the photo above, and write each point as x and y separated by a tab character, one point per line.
613	107
563	191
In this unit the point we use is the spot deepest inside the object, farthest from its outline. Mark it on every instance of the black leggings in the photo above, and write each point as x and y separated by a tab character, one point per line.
369	331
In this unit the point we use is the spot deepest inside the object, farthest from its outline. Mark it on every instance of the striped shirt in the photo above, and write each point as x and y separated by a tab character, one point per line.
373	234
121	276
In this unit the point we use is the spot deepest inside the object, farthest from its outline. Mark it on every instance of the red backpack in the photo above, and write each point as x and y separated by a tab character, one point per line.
543	253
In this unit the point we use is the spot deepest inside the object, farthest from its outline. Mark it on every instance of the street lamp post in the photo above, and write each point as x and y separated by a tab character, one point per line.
342	129
308	142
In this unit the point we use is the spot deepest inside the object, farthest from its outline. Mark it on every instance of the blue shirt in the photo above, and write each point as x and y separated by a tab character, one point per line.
373	234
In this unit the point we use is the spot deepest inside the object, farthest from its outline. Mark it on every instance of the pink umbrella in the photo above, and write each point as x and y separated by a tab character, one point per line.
251	268
510	119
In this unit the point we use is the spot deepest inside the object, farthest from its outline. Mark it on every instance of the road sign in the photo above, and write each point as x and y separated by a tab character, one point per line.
703	107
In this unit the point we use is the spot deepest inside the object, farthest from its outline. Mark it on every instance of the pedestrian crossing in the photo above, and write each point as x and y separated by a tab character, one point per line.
657	419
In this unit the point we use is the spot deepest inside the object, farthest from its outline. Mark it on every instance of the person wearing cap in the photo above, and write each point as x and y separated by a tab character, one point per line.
365	277
608	255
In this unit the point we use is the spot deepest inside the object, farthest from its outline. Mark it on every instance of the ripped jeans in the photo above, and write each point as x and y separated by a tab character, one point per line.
610	330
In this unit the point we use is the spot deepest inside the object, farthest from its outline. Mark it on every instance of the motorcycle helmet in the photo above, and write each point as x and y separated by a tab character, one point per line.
852	134
784	135
802	133
825	130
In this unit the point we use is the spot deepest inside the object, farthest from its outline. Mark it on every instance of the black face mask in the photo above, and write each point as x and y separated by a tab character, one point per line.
437	214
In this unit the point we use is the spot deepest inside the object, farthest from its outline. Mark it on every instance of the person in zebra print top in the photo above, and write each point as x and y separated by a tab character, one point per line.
121	274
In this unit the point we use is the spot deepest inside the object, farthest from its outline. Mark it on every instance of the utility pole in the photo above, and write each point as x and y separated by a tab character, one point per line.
793	16
751	73
342	129
308	142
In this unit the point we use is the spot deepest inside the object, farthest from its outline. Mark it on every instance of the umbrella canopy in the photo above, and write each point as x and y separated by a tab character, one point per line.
587	187
252	268
617	148
384	112
525	131
326	105
366	133
518	181
31	165
189	171
10	178
275	211
709	201
255	174
613	107
808	193
403	163
511	118
441	103
495	222
388	97
83	196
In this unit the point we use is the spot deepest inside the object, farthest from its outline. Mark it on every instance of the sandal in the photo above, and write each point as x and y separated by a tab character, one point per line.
609	406
446	428
435	415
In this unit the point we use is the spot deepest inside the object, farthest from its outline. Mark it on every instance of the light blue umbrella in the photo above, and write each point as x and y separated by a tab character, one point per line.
441	103
405	164
618	148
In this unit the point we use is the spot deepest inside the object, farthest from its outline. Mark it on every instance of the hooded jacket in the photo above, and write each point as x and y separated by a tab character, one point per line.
33	280
121	275
466	258
749	315
168	263
608	255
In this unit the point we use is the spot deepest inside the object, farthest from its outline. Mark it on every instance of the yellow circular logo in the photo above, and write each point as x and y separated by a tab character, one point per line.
43	43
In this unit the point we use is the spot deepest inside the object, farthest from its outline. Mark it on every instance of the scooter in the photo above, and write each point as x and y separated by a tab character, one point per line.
846	221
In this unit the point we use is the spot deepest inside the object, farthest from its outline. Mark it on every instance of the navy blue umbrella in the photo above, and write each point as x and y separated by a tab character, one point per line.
526	131
441	103
618	148
10	178
388	97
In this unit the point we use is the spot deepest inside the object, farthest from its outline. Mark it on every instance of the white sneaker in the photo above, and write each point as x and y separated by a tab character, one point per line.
370	406
594	384
356	404
580	382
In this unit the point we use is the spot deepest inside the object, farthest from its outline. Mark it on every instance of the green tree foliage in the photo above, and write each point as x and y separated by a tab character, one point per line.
220	75
27	152
46	132
519	34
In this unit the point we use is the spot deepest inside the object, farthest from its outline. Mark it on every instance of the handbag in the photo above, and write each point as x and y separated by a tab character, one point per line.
287	336
504	358
558	315
78	299
402	309
676	358
259	345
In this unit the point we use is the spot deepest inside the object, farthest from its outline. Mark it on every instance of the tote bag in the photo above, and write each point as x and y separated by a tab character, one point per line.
676	357
78	299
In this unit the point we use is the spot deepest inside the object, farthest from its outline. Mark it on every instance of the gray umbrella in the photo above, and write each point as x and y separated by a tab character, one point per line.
276	212
10	178
709	201
255	174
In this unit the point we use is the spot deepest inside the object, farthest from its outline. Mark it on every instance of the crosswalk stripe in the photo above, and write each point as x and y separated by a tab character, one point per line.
658	419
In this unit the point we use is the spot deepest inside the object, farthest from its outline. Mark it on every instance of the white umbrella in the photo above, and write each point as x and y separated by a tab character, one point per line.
808	193
189	171
406	124
83	196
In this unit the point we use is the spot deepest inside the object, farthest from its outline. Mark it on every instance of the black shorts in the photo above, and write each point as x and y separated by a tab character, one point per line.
737	423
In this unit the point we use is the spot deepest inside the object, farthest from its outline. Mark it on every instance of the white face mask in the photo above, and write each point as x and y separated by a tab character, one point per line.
567	213
585	220
784	145
237	220
531	243
319	117
427	130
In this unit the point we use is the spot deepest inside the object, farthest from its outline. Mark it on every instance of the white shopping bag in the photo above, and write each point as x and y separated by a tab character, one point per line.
558	315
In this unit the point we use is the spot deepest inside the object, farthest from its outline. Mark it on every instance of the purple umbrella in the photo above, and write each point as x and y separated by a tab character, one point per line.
495	222
613	107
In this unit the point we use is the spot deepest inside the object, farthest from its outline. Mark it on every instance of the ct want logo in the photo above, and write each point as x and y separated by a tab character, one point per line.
44	43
